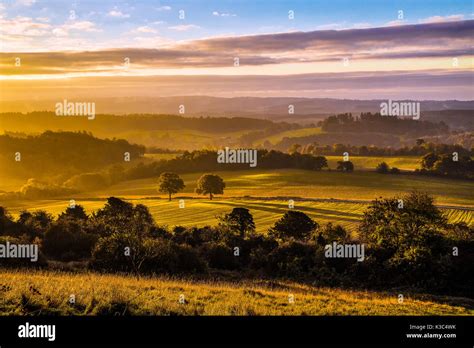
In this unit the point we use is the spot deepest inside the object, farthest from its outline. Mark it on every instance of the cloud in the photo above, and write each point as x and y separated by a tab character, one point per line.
396	22
163	8
420	41
323	42
184	27
145	29
223	14
117	14
22	27
443	85
26	3
441	19
83	26
331	26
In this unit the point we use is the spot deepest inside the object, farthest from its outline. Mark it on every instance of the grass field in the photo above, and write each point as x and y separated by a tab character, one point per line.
292	183
188	139
202	212
266	194
43	293
276	138
366	162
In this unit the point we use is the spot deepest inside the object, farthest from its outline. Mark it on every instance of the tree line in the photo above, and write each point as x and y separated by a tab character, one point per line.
376	123
62	154
420	149
408	243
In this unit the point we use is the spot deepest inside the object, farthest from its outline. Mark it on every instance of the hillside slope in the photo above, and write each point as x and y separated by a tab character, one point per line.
45	293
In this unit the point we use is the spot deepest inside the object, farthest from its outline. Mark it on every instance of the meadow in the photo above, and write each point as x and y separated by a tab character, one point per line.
43	293
293	133
324	196
293	183
406	163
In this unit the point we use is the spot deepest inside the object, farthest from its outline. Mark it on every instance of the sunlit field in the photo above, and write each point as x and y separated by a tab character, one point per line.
339	198
274	139
203	212
407	163
290	183
42	293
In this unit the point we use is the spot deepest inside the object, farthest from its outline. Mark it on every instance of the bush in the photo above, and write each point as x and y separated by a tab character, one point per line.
21	262
409	240
382	168
238	221
293	259
219	256
66	240
345	166
146	256
293	225
167	257
333	233
394	170
7	225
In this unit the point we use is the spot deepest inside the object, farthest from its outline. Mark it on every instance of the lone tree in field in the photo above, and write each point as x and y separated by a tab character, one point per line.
210	184
170	183
239	220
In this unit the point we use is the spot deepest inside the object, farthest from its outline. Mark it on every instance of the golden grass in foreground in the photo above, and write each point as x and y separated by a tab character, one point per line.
41	293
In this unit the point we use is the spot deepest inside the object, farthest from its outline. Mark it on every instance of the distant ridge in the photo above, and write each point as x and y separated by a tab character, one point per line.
258	107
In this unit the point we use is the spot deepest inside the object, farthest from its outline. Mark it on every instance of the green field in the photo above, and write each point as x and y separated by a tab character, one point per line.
294	133
180	139
202	212
266	195
292	183
48	293
370	162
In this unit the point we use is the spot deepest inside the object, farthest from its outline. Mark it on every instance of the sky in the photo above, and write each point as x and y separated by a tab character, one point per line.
346	49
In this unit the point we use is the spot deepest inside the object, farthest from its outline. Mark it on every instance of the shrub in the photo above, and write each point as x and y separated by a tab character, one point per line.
66	240
292	259
293	225
333	233
382	168
164	256
239	220
345	166
219	255
394	170
22	262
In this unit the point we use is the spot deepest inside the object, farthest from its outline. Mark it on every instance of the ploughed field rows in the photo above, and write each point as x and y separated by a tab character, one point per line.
46	293
325	196
201	212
